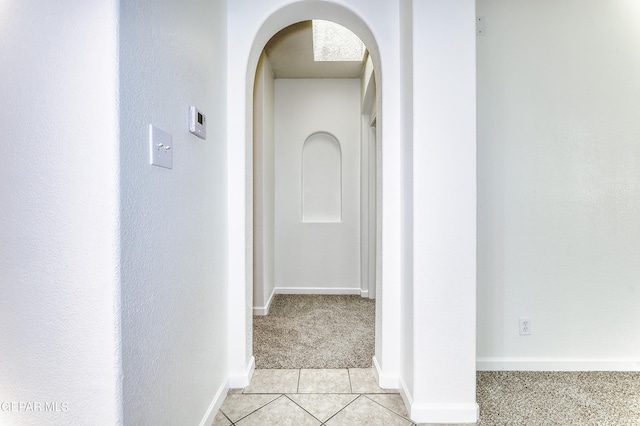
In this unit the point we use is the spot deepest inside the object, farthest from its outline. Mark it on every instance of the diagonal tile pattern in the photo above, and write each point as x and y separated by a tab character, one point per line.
238	406
282	411
323	406
364	411
323	397
392	401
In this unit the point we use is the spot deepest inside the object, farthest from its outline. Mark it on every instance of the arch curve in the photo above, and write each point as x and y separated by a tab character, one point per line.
308	10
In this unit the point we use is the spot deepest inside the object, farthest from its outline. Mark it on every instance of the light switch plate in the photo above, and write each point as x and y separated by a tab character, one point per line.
160	147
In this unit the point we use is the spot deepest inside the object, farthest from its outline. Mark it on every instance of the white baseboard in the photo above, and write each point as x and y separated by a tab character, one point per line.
407	398
438	413
385	380
364	293
445	413
215	405
316	290
264	310
242	379
556	364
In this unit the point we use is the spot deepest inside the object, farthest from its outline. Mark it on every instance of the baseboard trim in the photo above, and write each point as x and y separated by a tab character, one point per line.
242	379
385	380
264	310
405	394
316	290
215	405
364	293
438	413
445	413
556	364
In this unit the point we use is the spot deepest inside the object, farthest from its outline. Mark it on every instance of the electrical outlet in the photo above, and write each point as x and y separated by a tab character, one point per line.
525	326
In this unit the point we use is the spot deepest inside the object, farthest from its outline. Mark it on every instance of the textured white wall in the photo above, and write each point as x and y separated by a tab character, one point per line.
444	211
59	278
317	257
558	181
264	187
174	287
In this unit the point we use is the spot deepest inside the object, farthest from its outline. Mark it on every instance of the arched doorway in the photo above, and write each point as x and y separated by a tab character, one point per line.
386	360
311	194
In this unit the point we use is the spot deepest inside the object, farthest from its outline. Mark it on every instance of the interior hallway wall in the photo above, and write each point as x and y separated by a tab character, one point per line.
316	256
370	193
406	281
263	187
558	182
174	238
59	278
443	246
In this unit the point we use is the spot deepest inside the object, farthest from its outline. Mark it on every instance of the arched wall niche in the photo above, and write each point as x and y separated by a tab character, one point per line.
321	179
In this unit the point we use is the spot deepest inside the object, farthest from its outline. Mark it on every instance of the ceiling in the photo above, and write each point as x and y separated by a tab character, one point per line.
290	53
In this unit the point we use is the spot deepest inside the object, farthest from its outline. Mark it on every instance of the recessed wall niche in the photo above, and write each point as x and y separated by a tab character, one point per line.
321	179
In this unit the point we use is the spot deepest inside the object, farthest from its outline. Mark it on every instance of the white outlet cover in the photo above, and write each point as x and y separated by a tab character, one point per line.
160	148
525	326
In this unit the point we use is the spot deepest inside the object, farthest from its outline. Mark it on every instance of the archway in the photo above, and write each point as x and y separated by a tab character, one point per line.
240	195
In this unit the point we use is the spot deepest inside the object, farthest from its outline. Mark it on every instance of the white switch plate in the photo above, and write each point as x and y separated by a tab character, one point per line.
160	148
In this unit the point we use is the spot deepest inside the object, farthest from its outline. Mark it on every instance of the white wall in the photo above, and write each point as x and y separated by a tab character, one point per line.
264	188
406	105
174	240
369	193
59	303
316	256
444	212
558	182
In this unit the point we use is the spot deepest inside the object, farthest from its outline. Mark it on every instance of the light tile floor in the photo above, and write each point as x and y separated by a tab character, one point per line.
349	397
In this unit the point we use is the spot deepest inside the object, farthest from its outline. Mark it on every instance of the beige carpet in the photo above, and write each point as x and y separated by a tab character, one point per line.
559	398
315	331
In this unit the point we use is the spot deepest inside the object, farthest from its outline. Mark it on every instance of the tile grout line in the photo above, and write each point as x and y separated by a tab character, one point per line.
256	410
227	417
385	407
342	409
350	385
299	374
304	409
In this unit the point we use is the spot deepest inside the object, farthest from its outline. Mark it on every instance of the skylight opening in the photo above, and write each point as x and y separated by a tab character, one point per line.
333	42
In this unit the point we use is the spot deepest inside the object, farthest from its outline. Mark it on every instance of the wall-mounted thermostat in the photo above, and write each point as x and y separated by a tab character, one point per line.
197	123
